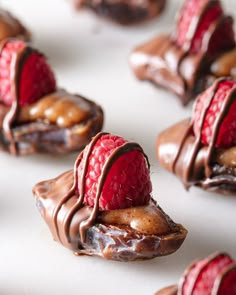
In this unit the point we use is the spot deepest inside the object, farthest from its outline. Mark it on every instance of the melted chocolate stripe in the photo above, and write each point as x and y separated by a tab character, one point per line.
188	131
129	146
224	110
16	66
70	194
197	143
106	168
189	85
189	166
77	205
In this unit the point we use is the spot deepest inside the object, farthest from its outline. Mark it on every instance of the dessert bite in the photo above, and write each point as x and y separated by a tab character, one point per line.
11	27
104	206
124	12
35	115
214	275
201	50
201	151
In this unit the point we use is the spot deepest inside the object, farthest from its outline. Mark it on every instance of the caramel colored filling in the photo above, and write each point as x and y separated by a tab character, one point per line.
227	157
225	65
60	108
145	219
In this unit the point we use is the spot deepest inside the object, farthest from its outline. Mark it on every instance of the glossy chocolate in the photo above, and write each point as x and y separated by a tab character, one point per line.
184	73
11	27
171	290
57	123
126	234
181	152
124	12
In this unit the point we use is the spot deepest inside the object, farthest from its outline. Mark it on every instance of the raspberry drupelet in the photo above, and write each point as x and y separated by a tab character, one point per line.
204	146
104	206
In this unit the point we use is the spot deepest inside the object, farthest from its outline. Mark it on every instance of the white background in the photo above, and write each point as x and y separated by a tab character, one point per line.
89	56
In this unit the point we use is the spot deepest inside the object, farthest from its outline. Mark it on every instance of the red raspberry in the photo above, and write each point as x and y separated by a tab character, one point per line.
190	275
227	131
211	15
127	183
36	78
218	43
190	11
201	278
187	13
228	284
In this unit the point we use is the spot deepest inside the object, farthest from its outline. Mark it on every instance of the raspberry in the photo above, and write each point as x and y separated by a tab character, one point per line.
228	284
208	274
189	10
218	43
211	15
191	274
222	39
227	131
36	77
127	183
200	278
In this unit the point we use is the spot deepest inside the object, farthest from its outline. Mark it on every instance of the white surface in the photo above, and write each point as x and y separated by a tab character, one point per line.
90	57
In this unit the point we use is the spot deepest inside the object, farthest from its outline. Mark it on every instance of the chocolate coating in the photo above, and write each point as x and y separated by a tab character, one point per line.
58	123
172	290
108	240
175	68
41	136
124	12
124	235
11	27
181	152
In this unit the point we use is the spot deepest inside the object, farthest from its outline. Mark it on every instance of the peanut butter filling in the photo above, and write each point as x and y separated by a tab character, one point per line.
225	65
147	219
144	219
60	108
226	157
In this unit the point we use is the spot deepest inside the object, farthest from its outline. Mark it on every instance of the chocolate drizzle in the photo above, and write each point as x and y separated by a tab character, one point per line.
197	143
183	72
16	69
135	233
188	167
69	123
85	224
